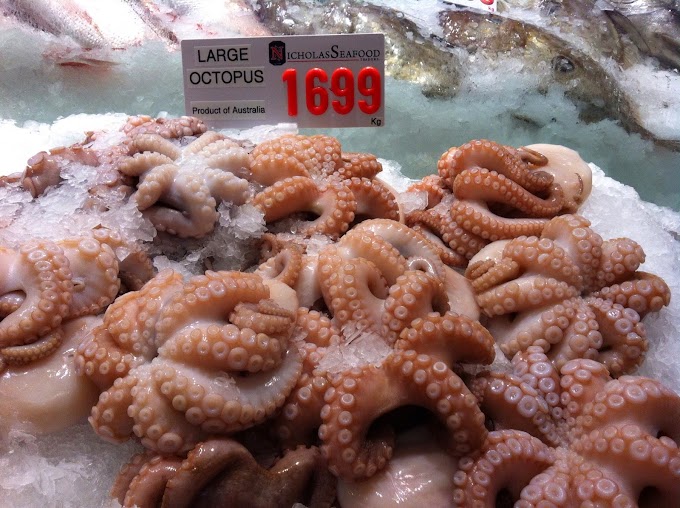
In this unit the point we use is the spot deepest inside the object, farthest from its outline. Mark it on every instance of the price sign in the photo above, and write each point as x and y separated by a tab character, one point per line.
312	80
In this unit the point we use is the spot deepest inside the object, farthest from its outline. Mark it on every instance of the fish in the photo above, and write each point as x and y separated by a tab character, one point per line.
652	25
586	82
570	43
409	55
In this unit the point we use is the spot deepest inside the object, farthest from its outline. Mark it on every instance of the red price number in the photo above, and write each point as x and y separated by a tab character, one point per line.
339	92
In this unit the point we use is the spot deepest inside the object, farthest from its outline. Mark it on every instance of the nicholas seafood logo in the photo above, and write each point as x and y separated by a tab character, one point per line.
277	53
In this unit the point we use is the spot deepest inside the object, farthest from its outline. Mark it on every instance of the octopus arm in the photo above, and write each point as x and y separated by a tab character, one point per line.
41	271
361	395
476	218
508	461
480	184
644	293
147	487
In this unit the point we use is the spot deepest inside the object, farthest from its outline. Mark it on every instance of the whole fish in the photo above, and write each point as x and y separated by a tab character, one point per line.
409	55
569	43
652	25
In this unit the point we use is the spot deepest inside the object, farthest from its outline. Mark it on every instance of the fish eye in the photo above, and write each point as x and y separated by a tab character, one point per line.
562	64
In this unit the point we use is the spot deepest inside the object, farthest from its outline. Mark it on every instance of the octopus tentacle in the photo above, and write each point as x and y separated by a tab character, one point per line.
490	155
464	244
646	403
109	417
480	184
234	160
10	302
285	266
404	378
511	403
374	199
660	474
360	165
534	368
332	202
435	188
267	169
581	380
225	186
508	461
300	417
208	149
623	338
223	469
450	338
147	487
28	353
127	336
480	221
531	156
153	143
414	295
41	272
154	184
619	260
354	291
140	163
319	154
409	243
643	293
446	254
165	127
202	142
94	268
127	473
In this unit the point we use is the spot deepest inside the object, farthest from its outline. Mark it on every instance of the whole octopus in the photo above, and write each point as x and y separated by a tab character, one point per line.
364	325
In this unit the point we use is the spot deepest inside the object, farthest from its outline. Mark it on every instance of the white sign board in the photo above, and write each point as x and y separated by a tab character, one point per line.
312	80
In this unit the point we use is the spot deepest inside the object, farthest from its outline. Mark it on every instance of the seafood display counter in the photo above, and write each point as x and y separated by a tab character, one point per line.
469	306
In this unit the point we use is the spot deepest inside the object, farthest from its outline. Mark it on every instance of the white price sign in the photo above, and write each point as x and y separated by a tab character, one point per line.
312	80
483	5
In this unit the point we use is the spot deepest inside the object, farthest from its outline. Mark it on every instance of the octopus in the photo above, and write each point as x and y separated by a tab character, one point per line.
385	289
311	175
486	192
572	436
179	190
185	360
44	169
43	284
349	362
569	292
222	472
